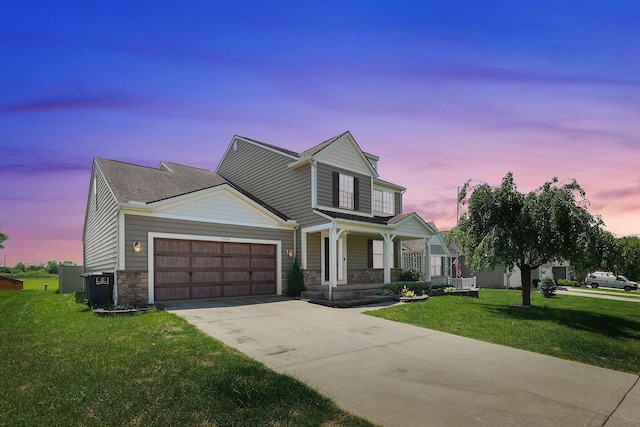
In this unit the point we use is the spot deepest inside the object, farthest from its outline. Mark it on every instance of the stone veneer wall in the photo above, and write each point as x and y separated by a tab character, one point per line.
312	277
133	288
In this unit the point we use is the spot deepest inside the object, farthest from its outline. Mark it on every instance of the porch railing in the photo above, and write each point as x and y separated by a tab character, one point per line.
462	282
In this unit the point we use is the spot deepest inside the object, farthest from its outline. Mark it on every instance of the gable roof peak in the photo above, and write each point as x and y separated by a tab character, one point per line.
317	148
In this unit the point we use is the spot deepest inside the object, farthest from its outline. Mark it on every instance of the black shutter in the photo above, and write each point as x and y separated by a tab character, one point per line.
326	259
336	189
396	255
356	194
369	253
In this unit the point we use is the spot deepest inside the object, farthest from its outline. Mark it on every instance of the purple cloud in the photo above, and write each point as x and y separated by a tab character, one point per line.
91	102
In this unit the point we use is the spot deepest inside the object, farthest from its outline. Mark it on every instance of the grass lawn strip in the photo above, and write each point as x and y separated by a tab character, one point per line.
598	332
62	365
612	292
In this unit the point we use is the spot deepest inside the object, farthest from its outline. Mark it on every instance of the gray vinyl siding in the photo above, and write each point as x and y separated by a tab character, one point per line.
266	175
357	251
325	187
137	227
437	250
398	200
100	236
314	256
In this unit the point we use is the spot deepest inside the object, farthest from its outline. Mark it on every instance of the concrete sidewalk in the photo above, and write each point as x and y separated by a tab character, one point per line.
401	375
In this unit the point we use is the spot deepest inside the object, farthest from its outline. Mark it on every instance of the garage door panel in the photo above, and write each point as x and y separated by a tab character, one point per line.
259	276
206	262
268	263
171	277
237	262
206	247
168	293
236	290
264	289
206	291
237	248
236	276
172	261
206	277
171	245
269	250
186	269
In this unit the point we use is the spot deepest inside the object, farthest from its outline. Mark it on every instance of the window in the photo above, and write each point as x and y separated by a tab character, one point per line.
346	192
378	252
383	201
436	266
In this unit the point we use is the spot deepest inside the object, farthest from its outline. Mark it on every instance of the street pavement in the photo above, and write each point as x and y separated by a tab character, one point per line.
401	375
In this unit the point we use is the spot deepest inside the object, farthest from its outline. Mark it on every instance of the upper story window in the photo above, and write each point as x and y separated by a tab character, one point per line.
346	191
383	201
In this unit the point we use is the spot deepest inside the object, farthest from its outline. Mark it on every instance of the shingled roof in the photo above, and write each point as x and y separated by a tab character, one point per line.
145	184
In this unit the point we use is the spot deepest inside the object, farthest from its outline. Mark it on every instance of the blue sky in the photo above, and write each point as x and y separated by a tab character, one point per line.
443	92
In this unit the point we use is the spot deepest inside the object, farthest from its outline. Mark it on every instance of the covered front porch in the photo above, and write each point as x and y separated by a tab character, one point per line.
348	257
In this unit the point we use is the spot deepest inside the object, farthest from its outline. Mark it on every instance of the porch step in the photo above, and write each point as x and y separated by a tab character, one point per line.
312	295
341	292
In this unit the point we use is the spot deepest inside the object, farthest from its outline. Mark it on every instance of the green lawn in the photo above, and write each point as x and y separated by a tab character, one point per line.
595	331
62	365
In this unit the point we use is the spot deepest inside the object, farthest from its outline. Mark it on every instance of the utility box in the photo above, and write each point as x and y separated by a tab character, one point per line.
99	287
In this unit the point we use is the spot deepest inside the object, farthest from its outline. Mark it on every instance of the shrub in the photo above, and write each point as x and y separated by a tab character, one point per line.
385	292
295	282
547	286
411	275
566	282
419	288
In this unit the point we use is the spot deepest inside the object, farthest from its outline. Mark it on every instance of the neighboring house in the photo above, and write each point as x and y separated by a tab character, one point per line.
439	267
177	232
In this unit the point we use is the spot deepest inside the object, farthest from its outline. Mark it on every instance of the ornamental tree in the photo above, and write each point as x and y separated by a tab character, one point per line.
551	223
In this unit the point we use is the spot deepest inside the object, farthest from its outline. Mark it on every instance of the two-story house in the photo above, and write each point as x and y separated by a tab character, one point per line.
176	232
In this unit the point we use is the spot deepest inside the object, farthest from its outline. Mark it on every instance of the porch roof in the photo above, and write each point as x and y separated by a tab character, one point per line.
404	226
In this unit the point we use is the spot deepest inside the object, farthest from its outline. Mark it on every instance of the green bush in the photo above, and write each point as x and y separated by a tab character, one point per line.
411	275
547	286
566	282
295	282
419	288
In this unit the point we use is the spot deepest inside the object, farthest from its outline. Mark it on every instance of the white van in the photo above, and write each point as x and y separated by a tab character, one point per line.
609	280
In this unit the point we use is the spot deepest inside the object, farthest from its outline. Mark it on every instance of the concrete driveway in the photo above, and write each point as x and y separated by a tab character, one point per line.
401	375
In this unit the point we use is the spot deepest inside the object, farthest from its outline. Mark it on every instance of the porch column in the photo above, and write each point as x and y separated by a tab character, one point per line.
386	256
427	254
333	261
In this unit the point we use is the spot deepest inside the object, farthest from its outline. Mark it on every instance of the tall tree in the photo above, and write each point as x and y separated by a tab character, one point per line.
630	259
551	223
3	237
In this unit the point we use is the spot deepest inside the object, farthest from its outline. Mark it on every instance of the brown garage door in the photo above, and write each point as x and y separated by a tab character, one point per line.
186	269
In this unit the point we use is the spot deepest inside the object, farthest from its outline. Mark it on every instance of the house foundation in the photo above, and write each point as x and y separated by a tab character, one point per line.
133	288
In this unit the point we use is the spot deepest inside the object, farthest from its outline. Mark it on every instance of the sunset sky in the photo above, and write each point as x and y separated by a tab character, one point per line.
442	91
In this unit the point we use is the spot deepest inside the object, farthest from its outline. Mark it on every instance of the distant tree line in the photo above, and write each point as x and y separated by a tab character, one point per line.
41	270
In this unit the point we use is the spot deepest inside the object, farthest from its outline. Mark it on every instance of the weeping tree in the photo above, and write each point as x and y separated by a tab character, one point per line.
506	227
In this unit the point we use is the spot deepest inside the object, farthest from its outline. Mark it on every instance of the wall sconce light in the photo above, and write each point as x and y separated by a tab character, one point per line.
290	253
137	247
